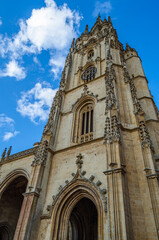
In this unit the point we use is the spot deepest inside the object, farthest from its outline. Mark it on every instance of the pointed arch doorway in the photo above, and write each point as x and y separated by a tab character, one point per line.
78	212
83	222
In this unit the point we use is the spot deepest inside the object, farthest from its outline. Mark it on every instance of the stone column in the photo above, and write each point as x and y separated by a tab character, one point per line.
119	209
31	196
151	174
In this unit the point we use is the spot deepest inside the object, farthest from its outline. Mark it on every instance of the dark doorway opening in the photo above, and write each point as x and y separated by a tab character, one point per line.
83	222
10	206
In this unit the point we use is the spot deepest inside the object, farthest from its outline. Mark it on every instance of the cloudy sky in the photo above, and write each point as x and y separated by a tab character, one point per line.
35	37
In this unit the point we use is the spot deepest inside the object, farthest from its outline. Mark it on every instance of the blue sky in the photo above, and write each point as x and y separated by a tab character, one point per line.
35	37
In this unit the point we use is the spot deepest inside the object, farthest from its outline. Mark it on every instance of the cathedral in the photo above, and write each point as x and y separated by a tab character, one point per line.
94	174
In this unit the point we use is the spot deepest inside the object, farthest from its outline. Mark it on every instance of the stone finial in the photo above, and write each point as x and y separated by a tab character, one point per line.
9	151
73	43
109	20
86	29
128	48
3	154
41	154
144	136
79	161
85	90
99	17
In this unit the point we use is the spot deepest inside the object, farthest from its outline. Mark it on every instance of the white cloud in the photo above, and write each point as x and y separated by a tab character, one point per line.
7	129
9	135
57	64
4	120
48	28
36	102
13	70
0	21
102	8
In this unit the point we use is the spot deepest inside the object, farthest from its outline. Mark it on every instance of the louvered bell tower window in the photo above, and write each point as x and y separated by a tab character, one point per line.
86	120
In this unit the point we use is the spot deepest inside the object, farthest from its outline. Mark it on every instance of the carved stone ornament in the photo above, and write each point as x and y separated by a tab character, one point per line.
79	175
79	162
54	113
110	77
85	93
126	74
136	102
144	136
156	109
111	131
128	48
41	154
114	42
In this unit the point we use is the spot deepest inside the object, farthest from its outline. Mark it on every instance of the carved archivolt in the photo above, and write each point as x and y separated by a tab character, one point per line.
69	196
10	177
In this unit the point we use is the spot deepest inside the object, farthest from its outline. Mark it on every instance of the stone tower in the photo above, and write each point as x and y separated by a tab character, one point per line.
94	173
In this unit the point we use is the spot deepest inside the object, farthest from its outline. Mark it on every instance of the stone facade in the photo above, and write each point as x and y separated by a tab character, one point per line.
98	157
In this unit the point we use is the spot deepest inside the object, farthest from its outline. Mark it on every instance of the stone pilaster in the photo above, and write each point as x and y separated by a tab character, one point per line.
23	229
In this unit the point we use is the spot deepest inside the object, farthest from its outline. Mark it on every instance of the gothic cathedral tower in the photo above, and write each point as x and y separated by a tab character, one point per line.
94	174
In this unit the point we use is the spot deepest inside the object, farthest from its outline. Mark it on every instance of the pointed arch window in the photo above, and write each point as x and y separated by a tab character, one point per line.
84	122
90	54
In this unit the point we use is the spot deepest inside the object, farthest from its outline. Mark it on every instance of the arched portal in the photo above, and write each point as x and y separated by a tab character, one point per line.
5	232
10	206
79	196
83	222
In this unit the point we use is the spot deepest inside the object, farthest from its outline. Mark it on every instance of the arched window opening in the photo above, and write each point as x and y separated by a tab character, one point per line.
86	123
90	54
5	233
84	120
83	222
10	206
89	74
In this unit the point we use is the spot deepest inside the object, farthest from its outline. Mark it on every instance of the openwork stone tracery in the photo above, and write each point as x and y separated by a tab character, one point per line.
144	135
111	131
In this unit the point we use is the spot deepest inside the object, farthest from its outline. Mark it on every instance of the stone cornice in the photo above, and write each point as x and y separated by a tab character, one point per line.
77	145
132	57
131	127
33	193
117	65
143	97
139	76
152	176
151	120
80	86
115	170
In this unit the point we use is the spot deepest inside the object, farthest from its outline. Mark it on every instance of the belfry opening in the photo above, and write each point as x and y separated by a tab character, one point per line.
83	222
10	206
